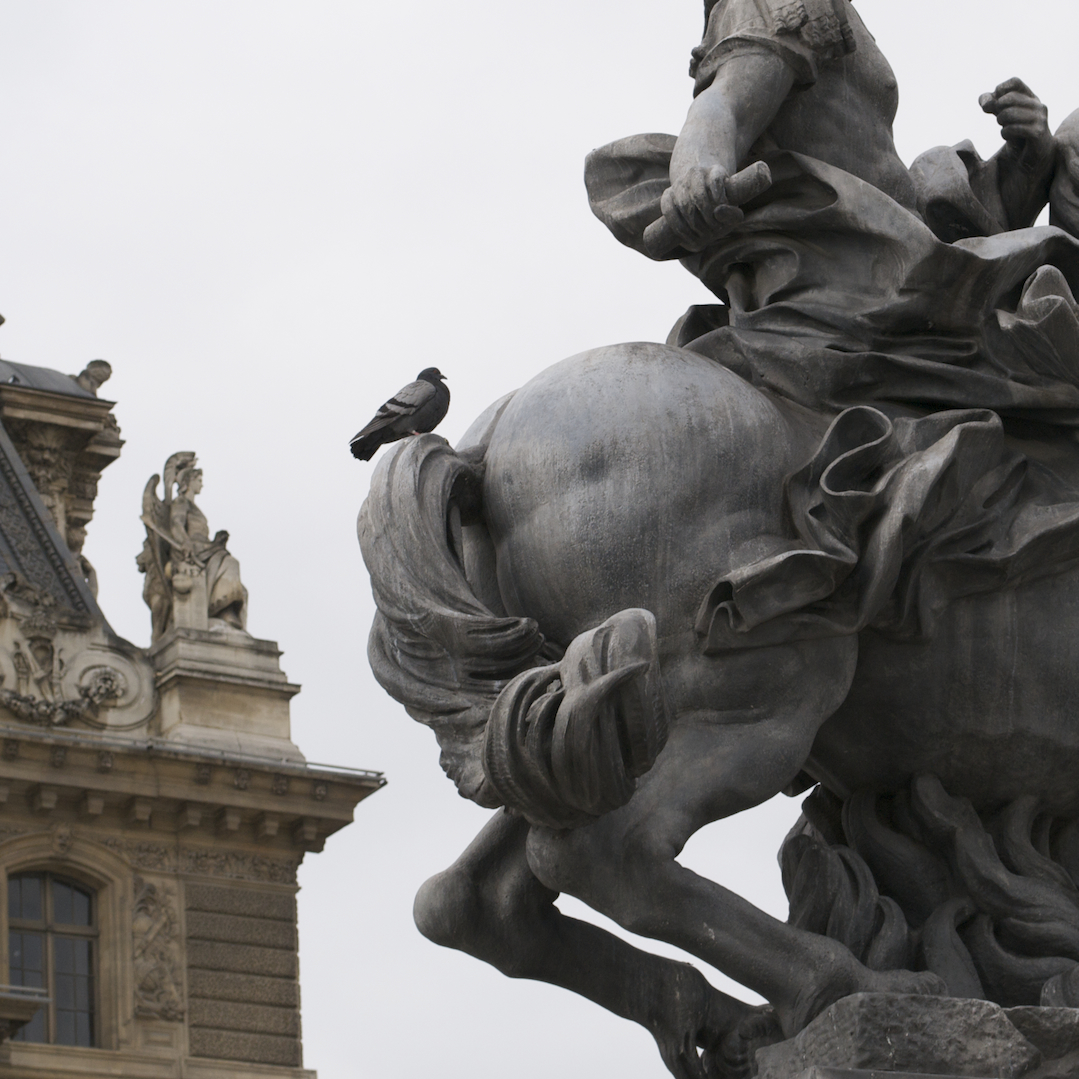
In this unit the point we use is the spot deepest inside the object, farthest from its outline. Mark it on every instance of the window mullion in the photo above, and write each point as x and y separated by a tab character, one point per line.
50	982
50	969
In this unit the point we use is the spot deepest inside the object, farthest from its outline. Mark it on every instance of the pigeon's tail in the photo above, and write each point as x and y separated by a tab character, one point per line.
378	432
363	446
435	646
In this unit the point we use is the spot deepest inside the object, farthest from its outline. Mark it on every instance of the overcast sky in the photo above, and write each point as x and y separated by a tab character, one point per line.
269	216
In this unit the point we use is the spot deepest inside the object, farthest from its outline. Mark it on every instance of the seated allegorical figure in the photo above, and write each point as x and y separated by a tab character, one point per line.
185	569
851	278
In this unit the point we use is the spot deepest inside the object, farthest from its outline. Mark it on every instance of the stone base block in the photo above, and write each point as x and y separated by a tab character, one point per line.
873	1034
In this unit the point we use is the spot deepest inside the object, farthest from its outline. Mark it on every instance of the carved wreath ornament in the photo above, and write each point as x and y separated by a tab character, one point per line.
99	686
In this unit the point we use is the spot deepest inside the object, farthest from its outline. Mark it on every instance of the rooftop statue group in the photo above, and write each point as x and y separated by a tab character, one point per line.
824	539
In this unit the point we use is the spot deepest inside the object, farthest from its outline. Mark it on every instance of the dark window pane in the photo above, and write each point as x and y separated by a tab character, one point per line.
62	906
34	952
25	955
82	958
15	960
73	990
82	908
33	890
63	992
65	1028
26	958
34	1031
24	897
64	952
74	1025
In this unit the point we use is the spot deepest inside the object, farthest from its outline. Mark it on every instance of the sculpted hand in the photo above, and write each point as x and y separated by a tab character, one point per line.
1023	119
701	207
697	209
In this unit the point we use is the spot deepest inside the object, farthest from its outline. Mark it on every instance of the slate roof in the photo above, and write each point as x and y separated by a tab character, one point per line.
41	378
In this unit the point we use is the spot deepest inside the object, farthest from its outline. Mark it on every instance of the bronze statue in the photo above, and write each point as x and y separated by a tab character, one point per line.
826	537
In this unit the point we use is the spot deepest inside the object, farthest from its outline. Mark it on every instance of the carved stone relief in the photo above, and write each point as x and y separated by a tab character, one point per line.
140	855
53	673
63	835
236	865
239	866
158	953
50	459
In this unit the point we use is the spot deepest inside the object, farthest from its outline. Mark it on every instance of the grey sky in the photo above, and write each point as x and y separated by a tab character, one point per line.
268	216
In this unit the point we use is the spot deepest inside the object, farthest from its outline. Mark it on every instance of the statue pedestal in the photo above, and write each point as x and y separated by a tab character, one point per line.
223	690
914	1035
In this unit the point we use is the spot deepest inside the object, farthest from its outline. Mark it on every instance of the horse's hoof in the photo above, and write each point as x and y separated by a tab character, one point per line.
922	983
735	1056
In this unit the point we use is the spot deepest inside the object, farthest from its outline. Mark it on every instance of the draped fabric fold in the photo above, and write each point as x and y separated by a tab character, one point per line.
838	295
841	300
894	519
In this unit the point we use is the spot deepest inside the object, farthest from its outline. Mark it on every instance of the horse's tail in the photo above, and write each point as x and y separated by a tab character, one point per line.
435	646
561	743
566	743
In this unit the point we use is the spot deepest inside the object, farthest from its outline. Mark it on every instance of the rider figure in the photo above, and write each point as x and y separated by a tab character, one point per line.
808	77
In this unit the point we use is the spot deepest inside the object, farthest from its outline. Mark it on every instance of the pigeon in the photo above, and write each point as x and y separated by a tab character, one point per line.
417	408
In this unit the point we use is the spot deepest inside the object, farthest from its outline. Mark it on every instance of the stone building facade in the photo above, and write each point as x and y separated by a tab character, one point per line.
153	808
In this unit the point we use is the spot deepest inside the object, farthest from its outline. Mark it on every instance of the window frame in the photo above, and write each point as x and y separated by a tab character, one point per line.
50	929
95	866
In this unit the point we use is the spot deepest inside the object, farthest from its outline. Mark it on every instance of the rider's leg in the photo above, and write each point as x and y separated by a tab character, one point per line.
490	905
717	763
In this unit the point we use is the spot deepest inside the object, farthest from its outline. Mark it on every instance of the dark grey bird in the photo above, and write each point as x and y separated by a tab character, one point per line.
415	409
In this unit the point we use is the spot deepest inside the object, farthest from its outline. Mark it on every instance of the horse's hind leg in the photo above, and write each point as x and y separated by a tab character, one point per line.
717	763
490	905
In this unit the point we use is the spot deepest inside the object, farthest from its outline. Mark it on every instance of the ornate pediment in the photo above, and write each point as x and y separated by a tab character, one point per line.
60	661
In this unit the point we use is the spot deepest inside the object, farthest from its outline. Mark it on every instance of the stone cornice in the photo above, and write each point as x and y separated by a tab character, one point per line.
162	789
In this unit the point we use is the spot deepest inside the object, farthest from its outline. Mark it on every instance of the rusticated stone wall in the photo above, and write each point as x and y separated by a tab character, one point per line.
242	974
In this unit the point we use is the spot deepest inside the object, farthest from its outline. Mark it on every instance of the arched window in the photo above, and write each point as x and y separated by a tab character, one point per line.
52	931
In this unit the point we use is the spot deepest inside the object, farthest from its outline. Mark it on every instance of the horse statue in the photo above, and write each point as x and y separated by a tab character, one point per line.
826	539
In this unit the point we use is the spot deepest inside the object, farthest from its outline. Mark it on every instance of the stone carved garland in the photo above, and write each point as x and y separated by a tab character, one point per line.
216	863
157	857
146	856
105	686
158	983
